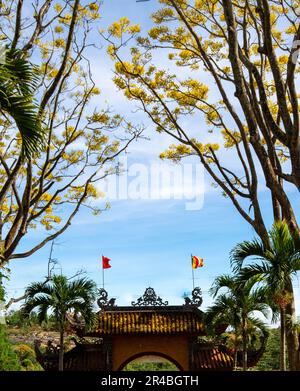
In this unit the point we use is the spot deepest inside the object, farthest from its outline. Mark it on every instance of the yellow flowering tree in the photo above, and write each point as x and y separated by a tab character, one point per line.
228	95
47	189
247	53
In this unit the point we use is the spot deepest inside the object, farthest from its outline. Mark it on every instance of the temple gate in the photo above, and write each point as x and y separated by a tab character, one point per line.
150	326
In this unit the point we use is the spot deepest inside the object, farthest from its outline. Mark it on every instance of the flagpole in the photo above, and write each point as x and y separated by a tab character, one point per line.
193	276
102	274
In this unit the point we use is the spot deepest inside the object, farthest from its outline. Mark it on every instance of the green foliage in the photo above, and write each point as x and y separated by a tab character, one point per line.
2	291
27	358
60	296
16	318
236	308
8	358
20	357
270	361
238	303
18	82
4	274
150	366
274	266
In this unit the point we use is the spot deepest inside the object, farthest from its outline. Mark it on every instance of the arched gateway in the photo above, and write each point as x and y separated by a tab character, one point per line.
150	326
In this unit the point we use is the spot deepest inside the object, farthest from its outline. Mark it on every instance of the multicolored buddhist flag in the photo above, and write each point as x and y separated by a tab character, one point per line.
197	262
105	263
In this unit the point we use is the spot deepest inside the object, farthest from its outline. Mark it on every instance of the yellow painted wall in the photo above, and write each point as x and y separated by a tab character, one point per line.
174	347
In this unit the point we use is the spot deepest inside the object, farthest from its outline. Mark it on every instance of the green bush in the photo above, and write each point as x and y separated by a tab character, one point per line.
270	361
27	359
150	366
15	318
19	357
9	360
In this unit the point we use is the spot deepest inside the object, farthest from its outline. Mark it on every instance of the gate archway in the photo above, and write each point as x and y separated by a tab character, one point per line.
148	325
174	348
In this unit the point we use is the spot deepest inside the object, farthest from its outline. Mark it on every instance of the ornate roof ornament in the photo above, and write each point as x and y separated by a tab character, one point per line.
149	298
196	299
103	300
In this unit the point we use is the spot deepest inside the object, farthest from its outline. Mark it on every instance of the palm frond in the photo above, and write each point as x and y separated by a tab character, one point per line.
83	287
42	311
35	303
294	261
281	240
222	281
61	296
259	324
255	272
18	82
38	288
244	250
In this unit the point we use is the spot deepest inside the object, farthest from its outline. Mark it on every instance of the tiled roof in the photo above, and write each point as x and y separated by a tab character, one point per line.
151	321
86	357
207	358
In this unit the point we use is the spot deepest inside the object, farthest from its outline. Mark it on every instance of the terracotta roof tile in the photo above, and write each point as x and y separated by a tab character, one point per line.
211	358
137	321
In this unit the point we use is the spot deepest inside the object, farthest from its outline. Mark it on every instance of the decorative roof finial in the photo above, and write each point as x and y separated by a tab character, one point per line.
149	298
196	299
103	299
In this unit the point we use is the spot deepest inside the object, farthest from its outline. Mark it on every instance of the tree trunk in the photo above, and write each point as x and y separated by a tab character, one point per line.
282	339
298	352
235	359
245	358
235	350
61	349
292	339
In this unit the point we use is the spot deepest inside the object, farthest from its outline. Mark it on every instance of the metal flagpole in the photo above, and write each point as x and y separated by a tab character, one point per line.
193	272
102	274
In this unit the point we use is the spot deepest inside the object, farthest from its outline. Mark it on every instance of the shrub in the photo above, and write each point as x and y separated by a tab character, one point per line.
26	356
8	358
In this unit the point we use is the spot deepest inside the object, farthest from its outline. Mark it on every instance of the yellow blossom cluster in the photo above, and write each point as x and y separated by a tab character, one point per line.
99	117
129	68
57	7
58	29
177	152
95	91
48	220
73	157
231	138
59	42
93	6
117	29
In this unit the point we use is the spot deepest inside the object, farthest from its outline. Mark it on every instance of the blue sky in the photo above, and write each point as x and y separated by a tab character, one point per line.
149	242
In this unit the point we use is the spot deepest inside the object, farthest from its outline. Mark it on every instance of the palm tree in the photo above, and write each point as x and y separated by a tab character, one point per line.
61	296
275	267
236	307
224	312
18	83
